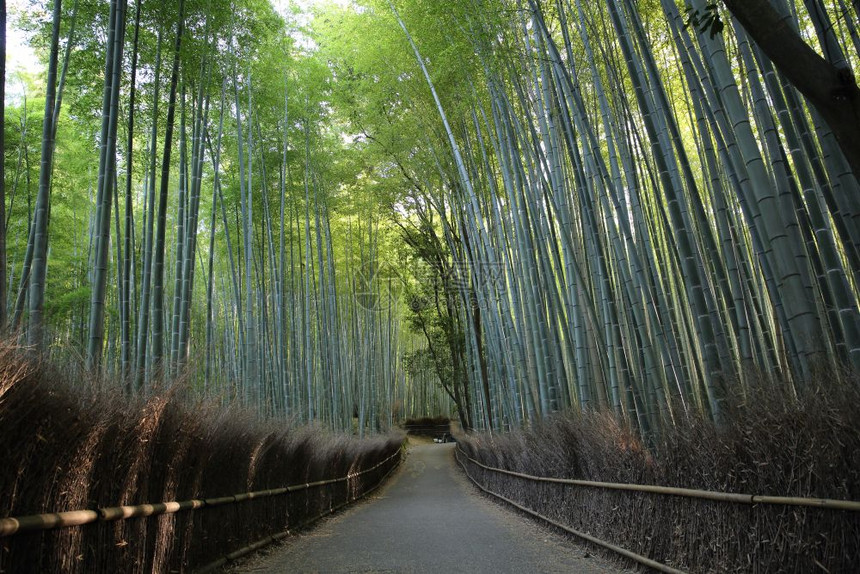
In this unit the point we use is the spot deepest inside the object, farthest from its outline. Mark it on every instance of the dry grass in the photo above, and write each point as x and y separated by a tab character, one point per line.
67	447
771	443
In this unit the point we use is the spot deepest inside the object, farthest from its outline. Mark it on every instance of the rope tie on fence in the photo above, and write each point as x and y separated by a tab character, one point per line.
10	526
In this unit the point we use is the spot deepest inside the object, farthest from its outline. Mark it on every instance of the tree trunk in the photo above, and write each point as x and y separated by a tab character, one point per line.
833	91
39	268
2	166
161	229
125	293
107	173
149	215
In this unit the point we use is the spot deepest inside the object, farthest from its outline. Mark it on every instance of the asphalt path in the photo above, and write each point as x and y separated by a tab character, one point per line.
428	518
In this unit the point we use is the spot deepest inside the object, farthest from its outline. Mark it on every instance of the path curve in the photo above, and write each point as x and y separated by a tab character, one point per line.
428	519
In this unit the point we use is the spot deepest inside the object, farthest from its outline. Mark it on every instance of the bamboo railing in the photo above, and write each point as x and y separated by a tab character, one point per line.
10	526
751	499
685	492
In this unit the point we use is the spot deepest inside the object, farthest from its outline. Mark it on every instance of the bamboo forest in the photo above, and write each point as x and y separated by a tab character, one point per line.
360	211
261	259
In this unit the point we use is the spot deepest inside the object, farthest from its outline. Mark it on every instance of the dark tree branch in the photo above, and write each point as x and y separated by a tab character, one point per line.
832	91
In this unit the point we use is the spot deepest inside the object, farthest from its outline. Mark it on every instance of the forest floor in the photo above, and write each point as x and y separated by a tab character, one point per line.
428	518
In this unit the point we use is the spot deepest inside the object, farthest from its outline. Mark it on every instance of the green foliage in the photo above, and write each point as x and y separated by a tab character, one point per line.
708	21
61	306
585	164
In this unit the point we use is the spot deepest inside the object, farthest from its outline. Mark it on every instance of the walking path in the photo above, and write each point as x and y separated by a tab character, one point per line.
428	519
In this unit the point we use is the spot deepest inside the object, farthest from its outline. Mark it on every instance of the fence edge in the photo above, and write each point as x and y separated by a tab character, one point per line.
240	553
17	525
828	503
585	536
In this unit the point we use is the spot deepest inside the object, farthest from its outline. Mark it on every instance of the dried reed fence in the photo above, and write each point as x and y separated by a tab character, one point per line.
674	503
64	448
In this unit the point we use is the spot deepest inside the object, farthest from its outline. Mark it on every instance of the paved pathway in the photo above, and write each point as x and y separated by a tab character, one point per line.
428	519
